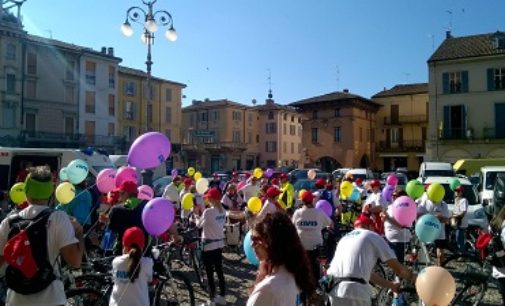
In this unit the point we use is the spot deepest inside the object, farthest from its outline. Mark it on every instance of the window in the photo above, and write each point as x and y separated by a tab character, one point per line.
216	115
292	130
130	133
270	115
285	116
11	83
10	52
89	130
250	118
204	116
249	137
30	122
150	113
168	133
337	134
454	121
31	63
284	147
191	120
285	129
112	77
292	118
236	136
9	117
499	78
257	138
395	136
271	146
69	94
69	125
237	116
271	128
455	82
110	129
168	115
337	112
129	110
31	89
315	114
90	73
168	94
315	135
292	148
112	105
300	131
69	70
129	88
90	102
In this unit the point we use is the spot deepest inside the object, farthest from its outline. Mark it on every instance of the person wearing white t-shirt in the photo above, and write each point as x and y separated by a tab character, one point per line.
131	272
212	224
461	217
441	211
375	204
351	268
284	271
171	192
309	222
251	189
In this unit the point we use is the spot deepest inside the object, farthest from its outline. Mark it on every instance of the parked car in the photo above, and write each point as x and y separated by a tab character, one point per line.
160	183
298	174
402	179
487	179
428	169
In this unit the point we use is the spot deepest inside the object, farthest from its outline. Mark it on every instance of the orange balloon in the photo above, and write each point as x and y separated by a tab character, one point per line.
435	286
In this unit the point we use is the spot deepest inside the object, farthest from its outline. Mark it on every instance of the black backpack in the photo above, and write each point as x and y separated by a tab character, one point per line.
36	231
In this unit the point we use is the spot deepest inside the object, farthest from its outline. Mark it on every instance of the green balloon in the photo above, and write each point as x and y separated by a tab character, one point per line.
415	189
455	183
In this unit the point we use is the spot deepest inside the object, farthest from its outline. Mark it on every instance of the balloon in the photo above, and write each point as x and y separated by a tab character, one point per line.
126	174
158	216
145	192
404	211
202	185
455	183
191	171
249	250
435	286
65	192
106	180
300	193
392	180
428	228
77	171
254	204
325	206
197	175
346	188
311	174
436	192
187	201
258	173
269	172
415	189
149	150
174	172
63	174
387	193
355	195
17	193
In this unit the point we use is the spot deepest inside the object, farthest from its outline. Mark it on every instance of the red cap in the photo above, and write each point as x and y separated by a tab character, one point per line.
134	235
275	181
283	176
128	187
213	193
188	182
375	183
363	220
321	182
272	192
359	180
234	173
459	188
307	197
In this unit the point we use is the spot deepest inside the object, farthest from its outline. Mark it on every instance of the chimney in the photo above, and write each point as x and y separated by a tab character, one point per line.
110	51
104	50
448	34
346	90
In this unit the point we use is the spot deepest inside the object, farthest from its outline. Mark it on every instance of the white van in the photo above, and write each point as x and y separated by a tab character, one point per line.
487	179
428	169
122	160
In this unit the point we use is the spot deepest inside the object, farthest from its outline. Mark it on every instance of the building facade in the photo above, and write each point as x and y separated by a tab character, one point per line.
219	135
401	126
467	98
338	131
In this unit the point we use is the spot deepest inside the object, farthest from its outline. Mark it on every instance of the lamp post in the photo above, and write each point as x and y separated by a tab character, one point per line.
150	21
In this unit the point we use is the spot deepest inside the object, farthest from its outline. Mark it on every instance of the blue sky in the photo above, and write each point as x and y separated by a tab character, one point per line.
226	48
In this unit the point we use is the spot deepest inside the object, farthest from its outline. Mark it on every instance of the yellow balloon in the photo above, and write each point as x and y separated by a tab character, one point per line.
187	201
346	189
436	192
300	193
258	173
17	193
435	286
191	171
197	175
65	192
254	204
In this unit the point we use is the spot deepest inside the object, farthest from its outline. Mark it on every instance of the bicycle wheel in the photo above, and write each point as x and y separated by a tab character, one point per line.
457	265
85	297
470	295
199	268
176	290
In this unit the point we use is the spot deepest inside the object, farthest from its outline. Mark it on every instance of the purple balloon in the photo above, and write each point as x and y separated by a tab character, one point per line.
325	206
387	193
158	216
174	172
269	172
149	150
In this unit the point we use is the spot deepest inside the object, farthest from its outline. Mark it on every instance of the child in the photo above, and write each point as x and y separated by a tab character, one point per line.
131	272
212	224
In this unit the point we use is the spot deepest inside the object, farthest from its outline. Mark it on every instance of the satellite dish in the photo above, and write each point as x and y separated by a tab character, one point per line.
254	101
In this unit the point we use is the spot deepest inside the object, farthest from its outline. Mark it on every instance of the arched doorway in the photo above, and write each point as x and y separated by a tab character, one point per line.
364	162
328	164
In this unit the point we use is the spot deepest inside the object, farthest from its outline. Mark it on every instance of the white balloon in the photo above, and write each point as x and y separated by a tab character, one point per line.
202	185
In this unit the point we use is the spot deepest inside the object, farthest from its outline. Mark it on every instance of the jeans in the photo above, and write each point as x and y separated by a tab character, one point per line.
399	249
460	239
213	260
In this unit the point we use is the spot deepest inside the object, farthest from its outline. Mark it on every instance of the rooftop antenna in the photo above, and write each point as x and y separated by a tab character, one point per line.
449	28
50	33
269	84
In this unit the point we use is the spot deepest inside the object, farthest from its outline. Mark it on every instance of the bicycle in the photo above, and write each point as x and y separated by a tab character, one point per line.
474	287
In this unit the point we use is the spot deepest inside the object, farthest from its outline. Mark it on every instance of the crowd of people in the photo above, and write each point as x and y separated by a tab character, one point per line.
286	234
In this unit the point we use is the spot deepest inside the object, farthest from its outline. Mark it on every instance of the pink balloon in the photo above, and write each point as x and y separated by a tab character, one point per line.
404	211
145	192
125	174
149	150
106	180
392	180
158	216
325	206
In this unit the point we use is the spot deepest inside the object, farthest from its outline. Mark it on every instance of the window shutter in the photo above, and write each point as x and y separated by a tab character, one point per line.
464	81
400	136
463	118
447	122
490	79
388	137
445	82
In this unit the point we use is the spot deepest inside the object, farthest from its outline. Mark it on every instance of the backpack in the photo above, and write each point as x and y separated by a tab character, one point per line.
491	248
28	268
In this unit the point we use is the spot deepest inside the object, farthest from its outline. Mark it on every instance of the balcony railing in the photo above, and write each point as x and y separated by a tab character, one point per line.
402	146
469	134
406	119
49	139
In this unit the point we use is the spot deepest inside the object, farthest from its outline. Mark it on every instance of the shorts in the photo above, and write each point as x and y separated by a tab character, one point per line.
441	243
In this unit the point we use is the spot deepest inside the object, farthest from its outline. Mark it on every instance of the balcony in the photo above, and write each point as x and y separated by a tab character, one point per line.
458	135
402	146
405	119
62	140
